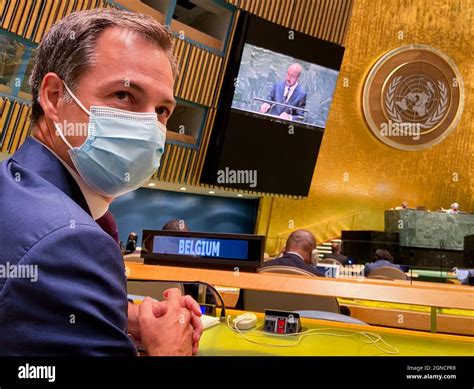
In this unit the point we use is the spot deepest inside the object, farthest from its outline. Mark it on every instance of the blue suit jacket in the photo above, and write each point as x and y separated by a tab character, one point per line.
78	306
294	261
297	99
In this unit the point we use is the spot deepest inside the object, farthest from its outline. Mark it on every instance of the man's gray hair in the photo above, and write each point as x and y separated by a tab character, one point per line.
68	47
297	66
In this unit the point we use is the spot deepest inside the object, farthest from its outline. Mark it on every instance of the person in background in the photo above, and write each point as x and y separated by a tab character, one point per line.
454	210
298	250
382	258
131	243
469	279
288	92
337	254
403	206
175	225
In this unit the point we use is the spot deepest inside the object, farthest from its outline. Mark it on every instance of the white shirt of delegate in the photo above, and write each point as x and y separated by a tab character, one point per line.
97	204
292	252
291	90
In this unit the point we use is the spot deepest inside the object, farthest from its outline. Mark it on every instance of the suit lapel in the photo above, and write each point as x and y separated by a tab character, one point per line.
294	95
39	160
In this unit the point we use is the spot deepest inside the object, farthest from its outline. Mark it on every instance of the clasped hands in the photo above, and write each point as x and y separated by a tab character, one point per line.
171	327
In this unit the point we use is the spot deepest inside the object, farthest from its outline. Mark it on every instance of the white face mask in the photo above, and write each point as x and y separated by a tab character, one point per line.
122	149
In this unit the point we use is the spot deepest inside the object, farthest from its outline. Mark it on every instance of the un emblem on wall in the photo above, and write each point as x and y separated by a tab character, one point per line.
413	97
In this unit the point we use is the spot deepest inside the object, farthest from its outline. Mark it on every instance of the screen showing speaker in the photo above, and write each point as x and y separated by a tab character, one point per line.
276	98
283	87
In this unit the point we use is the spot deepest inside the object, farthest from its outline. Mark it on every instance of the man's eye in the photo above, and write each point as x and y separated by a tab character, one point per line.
163	111
122	95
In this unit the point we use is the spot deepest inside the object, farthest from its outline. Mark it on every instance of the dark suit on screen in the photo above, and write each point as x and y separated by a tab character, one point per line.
297	99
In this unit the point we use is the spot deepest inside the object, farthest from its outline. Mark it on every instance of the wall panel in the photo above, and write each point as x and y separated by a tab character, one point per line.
380	177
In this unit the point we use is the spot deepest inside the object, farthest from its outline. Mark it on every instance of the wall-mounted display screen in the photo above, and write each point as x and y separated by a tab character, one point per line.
284	87
273	109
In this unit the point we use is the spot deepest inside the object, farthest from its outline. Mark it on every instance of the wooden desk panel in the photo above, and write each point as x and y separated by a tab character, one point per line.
405	292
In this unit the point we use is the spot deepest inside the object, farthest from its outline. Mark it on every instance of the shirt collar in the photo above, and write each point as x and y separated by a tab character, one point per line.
292	252
292	88
97	204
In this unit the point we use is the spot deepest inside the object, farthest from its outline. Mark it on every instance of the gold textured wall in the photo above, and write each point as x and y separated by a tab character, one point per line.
380	177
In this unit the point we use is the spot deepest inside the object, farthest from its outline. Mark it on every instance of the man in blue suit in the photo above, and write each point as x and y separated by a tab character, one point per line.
101	99
287	92
298	252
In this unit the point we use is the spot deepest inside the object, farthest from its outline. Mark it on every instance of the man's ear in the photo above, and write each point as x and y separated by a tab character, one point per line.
50	94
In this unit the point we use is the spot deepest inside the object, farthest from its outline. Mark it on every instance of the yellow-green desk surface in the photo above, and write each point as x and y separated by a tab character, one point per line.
222	341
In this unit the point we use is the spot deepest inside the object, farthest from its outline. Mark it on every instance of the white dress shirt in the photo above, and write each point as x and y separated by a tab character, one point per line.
289	90
290	93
